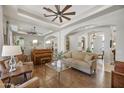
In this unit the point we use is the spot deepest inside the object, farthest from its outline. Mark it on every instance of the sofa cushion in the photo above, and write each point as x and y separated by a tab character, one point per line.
80	64
88	57
68	54
77	55
68	59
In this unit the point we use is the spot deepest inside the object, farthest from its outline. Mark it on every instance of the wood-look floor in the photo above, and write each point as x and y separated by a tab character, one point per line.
72	78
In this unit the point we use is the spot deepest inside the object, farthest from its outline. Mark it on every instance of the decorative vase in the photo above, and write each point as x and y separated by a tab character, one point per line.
59	63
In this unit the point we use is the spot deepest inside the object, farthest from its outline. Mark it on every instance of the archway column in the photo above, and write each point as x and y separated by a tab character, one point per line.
1	30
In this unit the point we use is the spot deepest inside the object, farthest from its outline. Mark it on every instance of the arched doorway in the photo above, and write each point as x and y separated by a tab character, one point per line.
51	43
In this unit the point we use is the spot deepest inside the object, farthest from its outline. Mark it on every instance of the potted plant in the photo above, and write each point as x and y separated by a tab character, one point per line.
88	50
59	57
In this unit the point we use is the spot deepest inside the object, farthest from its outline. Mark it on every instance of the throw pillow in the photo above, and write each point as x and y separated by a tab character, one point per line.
88	57
20	63
68	55
77	55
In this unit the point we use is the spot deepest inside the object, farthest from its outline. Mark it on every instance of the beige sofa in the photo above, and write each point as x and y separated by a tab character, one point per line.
83	61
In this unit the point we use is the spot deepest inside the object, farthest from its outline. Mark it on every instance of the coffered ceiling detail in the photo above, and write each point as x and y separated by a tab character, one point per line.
28	16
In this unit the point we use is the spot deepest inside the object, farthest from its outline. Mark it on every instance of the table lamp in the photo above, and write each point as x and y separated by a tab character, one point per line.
11	50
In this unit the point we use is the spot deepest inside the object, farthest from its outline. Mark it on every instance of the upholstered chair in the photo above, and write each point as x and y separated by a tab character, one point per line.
32	83
118	75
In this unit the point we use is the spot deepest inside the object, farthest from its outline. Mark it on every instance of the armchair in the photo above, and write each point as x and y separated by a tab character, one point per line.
118	75
32	83
117	80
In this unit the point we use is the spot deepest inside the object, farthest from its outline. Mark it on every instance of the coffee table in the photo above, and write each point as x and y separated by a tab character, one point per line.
20	70
58	66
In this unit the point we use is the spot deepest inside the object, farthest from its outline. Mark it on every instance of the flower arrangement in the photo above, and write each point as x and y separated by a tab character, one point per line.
59	55
88	50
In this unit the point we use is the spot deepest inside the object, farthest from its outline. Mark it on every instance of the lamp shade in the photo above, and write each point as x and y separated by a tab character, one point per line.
11	50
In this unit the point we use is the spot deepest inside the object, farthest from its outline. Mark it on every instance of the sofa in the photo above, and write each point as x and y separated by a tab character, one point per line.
83	61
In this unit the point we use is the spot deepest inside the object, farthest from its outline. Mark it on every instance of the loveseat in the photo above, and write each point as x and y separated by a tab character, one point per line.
83	61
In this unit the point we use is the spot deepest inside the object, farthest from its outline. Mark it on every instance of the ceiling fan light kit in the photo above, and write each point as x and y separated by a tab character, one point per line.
59	13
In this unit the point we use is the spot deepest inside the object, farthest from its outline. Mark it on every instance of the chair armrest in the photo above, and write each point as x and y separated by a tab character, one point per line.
32	83
28	63
91	61
117	80
1	84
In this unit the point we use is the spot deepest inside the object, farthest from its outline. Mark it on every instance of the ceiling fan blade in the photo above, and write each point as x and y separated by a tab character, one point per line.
69	13
55	18
48	15
32	33
49	10
66	17
66	8
57	8
60	19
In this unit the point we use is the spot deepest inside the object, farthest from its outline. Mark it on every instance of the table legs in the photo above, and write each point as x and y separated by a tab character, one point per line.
9	81
58	78
44	78
25	77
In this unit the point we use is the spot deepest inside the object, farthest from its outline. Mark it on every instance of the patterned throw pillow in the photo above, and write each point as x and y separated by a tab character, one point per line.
68	55
88	57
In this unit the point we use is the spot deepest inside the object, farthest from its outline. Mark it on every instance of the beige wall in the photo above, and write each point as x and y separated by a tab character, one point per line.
28	46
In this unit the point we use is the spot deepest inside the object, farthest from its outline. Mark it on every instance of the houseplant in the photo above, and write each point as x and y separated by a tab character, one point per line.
88	50
59	56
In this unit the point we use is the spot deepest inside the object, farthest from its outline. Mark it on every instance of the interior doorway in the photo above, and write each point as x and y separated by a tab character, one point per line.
97	44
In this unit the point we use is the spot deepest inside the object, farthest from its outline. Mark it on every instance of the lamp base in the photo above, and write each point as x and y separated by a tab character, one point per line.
11	70
12	64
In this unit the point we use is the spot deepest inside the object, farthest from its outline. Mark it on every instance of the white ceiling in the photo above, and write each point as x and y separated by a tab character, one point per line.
28	16
39	11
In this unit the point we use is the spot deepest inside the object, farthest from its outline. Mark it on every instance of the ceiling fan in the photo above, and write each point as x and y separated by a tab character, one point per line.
59	13
34	32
